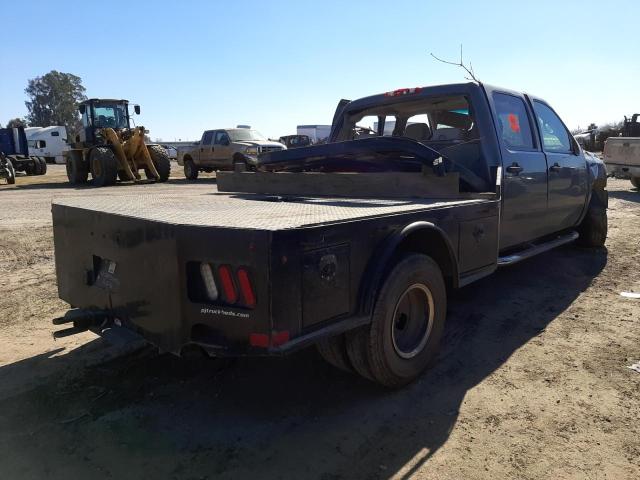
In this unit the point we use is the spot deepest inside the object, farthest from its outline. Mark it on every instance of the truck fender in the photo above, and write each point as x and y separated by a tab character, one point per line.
596	189
419	237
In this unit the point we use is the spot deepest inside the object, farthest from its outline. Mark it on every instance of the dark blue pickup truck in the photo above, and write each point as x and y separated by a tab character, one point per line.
351	245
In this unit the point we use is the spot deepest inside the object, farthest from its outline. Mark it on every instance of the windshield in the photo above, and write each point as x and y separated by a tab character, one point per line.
245	134
110	116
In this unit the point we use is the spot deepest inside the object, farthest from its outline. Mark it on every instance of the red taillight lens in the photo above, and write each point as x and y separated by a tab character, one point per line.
228	288
248	295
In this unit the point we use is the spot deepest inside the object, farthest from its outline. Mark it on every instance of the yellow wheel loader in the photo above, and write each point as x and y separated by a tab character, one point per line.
109	148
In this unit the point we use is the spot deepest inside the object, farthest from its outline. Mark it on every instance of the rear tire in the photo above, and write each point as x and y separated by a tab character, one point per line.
334	351
77	170
43	166
635	181
190	170
104	166
408	321
161	161
594	226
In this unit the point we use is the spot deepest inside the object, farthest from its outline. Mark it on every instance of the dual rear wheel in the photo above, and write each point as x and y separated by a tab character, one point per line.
404	334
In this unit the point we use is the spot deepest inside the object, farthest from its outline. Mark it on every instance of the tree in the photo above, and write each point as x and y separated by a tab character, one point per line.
16	122
54	99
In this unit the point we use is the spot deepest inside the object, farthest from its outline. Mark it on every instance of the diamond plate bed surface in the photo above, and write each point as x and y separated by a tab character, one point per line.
256	212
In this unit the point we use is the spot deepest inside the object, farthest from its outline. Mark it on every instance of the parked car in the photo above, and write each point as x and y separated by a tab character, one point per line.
220	149
352	245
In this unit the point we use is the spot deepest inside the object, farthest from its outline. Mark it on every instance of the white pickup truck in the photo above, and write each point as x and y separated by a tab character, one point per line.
622	157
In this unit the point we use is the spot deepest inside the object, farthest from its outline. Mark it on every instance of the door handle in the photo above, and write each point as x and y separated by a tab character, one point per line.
514	168
555	167
201	149
213	149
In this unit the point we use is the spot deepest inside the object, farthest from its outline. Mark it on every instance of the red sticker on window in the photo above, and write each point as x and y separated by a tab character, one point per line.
514	123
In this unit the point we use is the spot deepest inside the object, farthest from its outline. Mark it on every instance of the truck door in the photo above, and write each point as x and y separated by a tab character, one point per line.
205	154
222	155
524	168
567	168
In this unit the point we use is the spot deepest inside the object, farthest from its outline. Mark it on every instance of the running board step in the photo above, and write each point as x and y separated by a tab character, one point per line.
536	249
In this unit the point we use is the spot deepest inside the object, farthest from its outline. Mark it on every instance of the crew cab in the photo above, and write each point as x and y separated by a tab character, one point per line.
351	245
219	149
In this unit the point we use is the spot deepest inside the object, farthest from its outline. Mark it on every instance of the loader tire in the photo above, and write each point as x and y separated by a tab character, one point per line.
635	181
407	322
77	171
104	166
190	170
334	351
161	161
594	226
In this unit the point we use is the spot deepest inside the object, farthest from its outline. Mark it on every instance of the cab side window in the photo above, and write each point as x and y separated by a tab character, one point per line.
514	126
208	136
555	137
220	138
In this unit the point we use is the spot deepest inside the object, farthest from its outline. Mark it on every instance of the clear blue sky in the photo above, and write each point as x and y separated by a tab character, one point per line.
276	64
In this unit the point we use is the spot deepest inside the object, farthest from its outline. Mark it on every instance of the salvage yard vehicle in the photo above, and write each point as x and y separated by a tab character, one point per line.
220	149
622	154
6	170
15	147
295	141
622	157
351	245
109	148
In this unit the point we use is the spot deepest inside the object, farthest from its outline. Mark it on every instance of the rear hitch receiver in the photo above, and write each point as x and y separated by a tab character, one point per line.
81	320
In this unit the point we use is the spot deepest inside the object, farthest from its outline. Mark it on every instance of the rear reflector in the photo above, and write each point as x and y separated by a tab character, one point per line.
245	287
228	288
209	282
280	338
259	340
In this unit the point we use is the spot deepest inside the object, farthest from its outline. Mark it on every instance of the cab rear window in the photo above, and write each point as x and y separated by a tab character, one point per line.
514	126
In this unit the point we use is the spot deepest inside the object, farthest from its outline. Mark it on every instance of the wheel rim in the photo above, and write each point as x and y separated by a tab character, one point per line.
412	321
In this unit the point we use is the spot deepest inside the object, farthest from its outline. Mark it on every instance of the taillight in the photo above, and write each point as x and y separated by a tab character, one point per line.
246	288
228	288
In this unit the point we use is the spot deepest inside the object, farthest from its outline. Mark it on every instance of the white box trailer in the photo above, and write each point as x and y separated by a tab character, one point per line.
53	142
316	133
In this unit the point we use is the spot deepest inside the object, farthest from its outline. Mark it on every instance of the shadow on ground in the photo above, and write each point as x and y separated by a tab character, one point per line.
149	415
632	195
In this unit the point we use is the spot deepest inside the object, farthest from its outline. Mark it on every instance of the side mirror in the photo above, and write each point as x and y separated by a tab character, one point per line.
136	108
225	141
82	109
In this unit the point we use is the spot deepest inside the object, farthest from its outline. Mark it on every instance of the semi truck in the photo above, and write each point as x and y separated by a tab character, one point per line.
353	245
15	147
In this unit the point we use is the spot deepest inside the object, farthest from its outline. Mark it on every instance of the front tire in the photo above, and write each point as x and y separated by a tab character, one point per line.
77	170
594	226
408	321
635	181
190	170
161	161
104	166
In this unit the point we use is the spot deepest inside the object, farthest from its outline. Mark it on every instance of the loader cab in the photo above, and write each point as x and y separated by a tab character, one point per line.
103	113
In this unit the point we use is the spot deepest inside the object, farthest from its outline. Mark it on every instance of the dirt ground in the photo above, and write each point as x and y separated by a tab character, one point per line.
532	380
